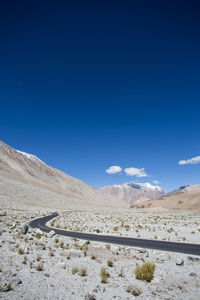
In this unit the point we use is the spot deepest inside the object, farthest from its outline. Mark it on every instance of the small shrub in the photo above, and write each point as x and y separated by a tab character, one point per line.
127	227
110	263
38	257
170	230
83	271
9	287
61	244
74	270
76	246
104	275
40	267
21	251
56	240
38	235
25	260
145	272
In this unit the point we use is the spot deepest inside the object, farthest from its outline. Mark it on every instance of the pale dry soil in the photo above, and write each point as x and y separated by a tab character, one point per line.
36	266
178	226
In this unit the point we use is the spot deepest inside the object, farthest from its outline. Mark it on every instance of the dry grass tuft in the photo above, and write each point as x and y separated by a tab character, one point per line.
83	271
38	235
145	272
74	270
104	275
21	251
110	263
9	287
40	267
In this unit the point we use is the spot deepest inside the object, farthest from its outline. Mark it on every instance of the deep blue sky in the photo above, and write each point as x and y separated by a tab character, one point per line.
88	85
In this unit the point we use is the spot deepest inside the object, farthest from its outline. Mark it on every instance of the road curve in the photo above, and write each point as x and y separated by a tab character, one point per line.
193	249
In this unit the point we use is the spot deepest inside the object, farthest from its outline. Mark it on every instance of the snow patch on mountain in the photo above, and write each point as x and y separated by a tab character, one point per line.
132	192
30	156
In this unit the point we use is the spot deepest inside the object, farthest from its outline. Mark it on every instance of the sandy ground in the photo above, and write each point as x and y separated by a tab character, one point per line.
36	266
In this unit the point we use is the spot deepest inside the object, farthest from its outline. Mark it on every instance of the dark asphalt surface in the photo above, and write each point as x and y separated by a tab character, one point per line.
193	249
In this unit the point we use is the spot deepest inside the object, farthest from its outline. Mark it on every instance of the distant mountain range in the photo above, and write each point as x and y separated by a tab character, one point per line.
184	198
27	182
132	192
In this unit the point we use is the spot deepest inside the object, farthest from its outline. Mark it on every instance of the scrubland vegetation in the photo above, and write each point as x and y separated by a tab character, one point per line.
37	264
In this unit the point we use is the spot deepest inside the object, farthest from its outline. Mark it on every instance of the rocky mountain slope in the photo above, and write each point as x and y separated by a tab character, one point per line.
186	197
186	188
26	181
132	192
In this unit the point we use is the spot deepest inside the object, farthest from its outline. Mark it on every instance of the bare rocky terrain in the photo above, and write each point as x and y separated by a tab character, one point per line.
43	266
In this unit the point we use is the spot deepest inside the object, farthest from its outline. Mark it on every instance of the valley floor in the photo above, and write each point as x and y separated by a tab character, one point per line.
160	225
39	266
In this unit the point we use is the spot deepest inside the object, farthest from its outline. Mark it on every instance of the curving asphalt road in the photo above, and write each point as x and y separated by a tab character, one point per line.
185	248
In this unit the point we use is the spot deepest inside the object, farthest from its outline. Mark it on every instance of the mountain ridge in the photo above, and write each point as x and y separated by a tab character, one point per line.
131	192
30	170
184	198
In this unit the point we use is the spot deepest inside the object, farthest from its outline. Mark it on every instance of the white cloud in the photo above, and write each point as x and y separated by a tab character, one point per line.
113	170
156	181
135	172
191	161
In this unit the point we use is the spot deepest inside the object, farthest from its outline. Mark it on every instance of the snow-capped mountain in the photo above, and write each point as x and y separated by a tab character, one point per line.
132	192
